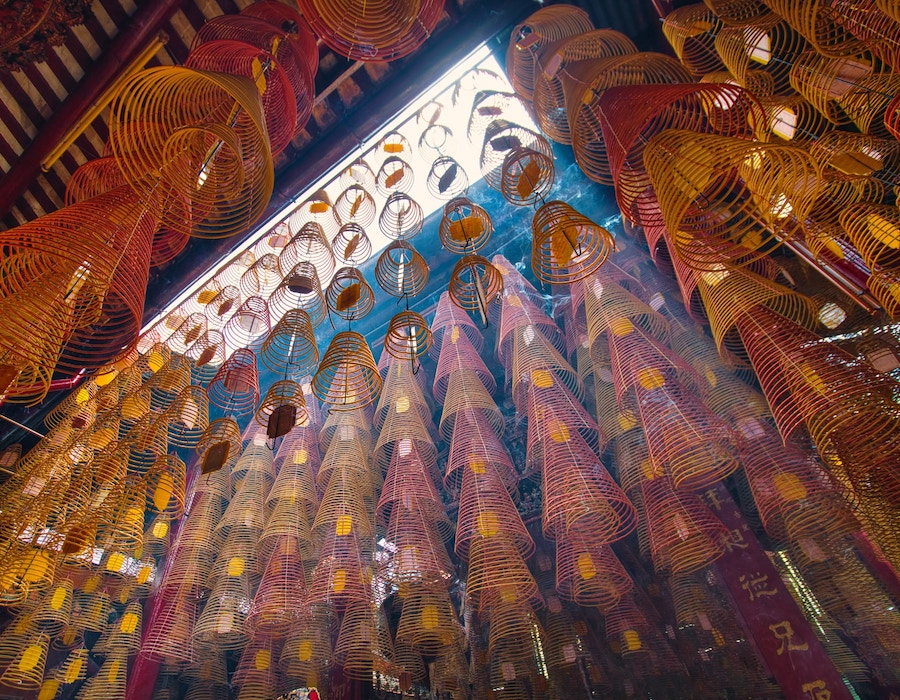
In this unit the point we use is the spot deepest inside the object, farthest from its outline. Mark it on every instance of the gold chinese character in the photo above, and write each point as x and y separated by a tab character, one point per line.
734	538
817	690
785	633
756	585
713	499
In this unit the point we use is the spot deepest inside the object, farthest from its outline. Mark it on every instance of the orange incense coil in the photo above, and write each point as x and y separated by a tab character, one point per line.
770	47
318	210
632	462
498	573
408	336
403	387
125	632
466	392
409	482
526	176
446	178
207	355
609	306
826	82
684	534
279	108
584	84
793	118
157	537
364	644
279	599
735	13
465	227
892	117
533	360
310	244
306	653
351	245
282	408
347	377
188	417
93	178
630	115
394	176
428	621
401	271
459	354
579	495
699	198
552	407
513	629
26	669
111	679
420	555
74	668
223	173
257	674
474	284
250	321
290	349
54	612
549	97
349	295
403	430
344	571
261	277
475	444
691	30
235	387
820	25
221	624
219	445
355	205
589	573
165	488
547	25
167	383
449	318
123	530
885	287
566	245
501	138
299	290
401	217
872	228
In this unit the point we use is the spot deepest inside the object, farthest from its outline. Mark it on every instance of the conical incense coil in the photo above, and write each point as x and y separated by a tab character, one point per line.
526	176
296	464
282	409
501	138
491	103
819	27
885	287
382	31
294	523
347	427
579	495
409	482
684	534
566	246
343	574
279	599
449	318
54	613
307	653
123	531
394	176
770	46
401	217
250	321
498	573
188	332
348	377
125	632
256	460
446	178
402	431
549	98
290	349
257	674
74	668
474	284
827	82
261	277
221	623
534	361
420	555
589	573
355	205
93	178
299	290
349	295
465	227
653	108
223	304
364	644
223	173
547	25
309	244
359	173
165	482
872	228
474	445
219	445
316	210
207	356
401	271
513	629
92	607
691	30
466	393
344	509
585	82
26	669
351	245
235	388
403	385
520	316
458	353
111	679
428	621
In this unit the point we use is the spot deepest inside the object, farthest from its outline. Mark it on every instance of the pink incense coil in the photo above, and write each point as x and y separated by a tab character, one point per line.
402	431
520	319
409	482
428	621
465	392
235	388
364	646
475	441
281	592
589	573
458	353
447	317
340	576
421	556
534	361
498	573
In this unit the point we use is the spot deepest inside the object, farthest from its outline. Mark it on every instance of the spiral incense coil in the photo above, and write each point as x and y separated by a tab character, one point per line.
465	392
349	295
892	117
547	25
364	644
821	26
409	484
290	350
223	304
465	227
307	651
521	317
26	669
223	169
824	82
421	557
549	98
318	209
449	318
428	621
220	625
871	228
395	175
867	100
474	284
261	277
567	246
348	377
280	595
770	47
350	427
513	627
188	332
885	287
237	58
459	354
526	176
235	387
54	612
699	177
736	13
299	292
793	118
381	31
355	205
684	535
584	84
403	432
630	115
351	245
401	271
851	163
340	575
93	178
691	31
207	355
257	674
552	407
408	336
165	488
501	138
358	174
282	408
517	283
489	105
309	245
589	573
402	384
287	522
435	138
497	572
446	178
534	361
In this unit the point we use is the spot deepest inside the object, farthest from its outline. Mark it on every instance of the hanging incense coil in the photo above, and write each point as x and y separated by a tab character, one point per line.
348	427
404	432
167	245
408	336
403	383
290	350
207	356
384	31
553	411
691	31
885	287
409	484
279	598
872	228
770	47
223	174
693	208
26	669
221	623
547	25
394	176
450	318
513	626
566	245
735	13
474	284
225	302
825	83
351	245
219	445
349	295
532	360
307	652
364	644
347	377
820	28
465	227
309	245
401	271
502	138
589	573
428	621
401	217
549	97
235	388
526	176
55	610
793	118
282	408
355	205
165	482
435	137
446	178
318	210
257	674
188	332
491	104
93	178
360	173
459	354
420	557
475	443
343	572
287	522
497	572
684	534
299	292
261	277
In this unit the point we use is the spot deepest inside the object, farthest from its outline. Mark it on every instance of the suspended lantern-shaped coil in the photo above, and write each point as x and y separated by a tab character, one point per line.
360	173
318	210
394	175
351	245
349	295
261	277
526	176
408	336
401	271
235	388
567	246
282	409
402	217
250	321
500	138
446	178
355	205
474	284
348	376
465	227
299	290
309	245
223	303
290	349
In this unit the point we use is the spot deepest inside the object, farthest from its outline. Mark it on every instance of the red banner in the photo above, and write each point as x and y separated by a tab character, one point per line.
783	636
